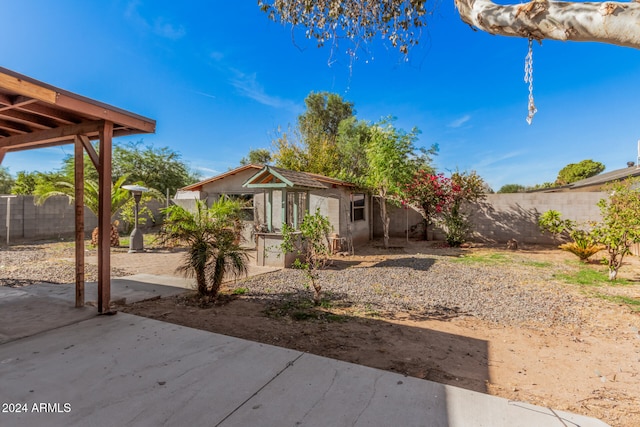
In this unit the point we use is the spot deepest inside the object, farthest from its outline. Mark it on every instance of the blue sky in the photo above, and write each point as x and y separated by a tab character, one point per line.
220	78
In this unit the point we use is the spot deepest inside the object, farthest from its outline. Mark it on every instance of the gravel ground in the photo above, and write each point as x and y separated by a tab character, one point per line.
27	264
507	293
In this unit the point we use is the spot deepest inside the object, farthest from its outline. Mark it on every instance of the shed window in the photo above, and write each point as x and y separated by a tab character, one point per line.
296	208
357	207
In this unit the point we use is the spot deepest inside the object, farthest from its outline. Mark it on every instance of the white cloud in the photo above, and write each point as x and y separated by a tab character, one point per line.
207	170
248	86
168	30
217	56
160	27
208	95
459	122
490	159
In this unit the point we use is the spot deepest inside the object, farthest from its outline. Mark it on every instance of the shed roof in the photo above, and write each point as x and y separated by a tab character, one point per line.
300	179
274	177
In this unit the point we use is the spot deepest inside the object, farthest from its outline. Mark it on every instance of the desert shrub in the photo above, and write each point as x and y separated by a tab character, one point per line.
311	245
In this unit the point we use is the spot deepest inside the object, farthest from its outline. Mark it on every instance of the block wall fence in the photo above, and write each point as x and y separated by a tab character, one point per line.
501	217
53	220
496	220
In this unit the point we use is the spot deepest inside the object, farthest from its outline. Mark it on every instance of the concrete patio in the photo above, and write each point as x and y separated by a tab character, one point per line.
63	366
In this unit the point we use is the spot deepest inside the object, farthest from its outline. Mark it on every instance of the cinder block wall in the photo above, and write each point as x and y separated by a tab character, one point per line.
54	219
515	216
504	216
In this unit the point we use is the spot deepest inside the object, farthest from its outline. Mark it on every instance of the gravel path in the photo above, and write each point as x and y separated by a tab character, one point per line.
429	285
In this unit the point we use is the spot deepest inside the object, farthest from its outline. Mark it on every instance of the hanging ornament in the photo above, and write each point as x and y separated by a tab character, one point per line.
528	78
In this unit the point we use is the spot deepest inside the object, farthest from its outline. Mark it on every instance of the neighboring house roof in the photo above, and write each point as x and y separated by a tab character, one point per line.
604	178
267	173
198	185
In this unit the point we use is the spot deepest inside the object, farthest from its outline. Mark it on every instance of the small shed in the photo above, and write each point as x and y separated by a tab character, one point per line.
276	196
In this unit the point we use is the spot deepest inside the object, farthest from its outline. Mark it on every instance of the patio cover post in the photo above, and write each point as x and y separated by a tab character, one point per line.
104	219
79	211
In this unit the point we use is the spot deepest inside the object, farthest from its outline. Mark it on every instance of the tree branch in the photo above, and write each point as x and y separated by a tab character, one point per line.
605	22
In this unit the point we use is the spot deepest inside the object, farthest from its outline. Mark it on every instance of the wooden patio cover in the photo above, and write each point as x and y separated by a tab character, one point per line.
36	115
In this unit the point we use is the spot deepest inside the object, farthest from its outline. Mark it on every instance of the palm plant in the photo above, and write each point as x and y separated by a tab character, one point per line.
212	239
119	196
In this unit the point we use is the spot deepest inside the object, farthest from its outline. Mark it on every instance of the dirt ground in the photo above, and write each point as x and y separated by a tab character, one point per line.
592	368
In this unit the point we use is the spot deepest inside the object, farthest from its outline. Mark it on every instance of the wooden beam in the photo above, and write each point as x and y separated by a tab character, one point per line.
63	133
49	112
14	128
26	88
90	150
79	210
2	153
29	119
104	219
106	112
11	103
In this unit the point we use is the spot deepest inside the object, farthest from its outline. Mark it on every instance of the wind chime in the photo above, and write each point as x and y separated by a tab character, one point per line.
528	78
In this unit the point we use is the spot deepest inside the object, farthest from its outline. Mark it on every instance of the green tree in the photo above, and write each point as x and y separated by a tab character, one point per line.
6	181
311	246
212	237
620	226
312	145
259	156
26	182
391	159
157	168
576	171
512	188
324	113
289	152
352	141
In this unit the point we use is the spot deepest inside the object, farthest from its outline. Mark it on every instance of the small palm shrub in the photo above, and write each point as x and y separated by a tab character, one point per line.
584	253
583	245
212	237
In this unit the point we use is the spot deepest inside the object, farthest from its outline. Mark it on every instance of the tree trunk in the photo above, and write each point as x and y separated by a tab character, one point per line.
614	23
385	221
201	281
425	219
